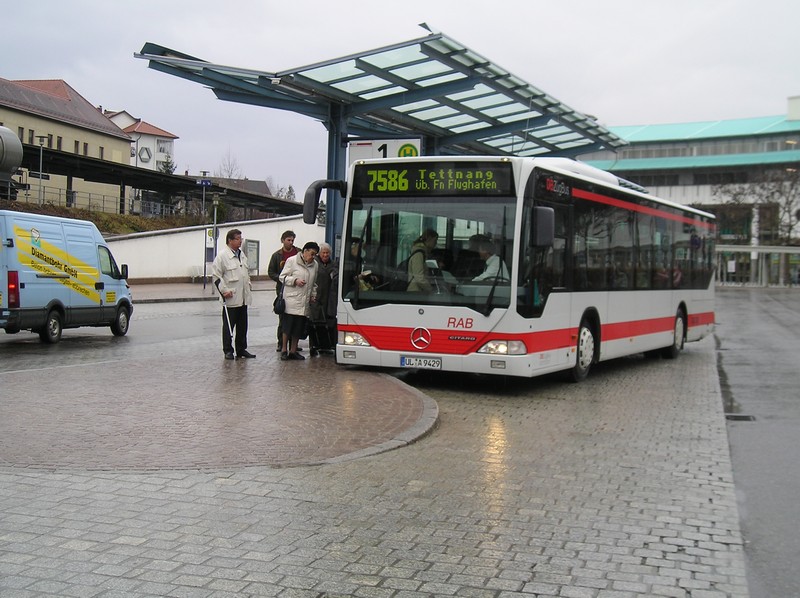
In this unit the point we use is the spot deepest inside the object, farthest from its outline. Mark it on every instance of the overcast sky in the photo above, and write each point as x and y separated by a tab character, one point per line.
624	61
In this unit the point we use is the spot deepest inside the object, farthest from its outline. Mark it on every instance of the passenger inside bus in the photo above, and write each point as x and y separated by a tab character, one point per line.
419	275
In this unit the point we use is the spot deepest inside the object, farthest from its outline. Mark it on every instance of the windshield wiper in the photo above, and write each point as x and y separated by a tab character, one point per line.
367	229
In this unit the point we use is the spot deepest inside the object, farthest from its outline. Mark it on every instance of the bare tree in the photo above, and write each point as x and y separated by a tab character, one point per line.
229	167
780	188
279	190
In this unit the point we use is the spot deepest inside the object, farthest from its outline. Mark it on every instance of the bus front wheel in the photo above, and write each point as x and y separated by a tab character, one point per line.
585	353
676	347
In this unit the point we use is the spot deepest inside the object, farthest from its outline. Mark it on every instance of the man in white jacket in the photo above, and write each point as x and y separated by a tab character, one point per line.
231	275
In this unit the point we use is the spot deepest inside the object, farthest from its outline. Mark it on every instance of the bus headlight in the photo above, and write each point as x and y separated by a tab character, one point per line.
503	348
352	339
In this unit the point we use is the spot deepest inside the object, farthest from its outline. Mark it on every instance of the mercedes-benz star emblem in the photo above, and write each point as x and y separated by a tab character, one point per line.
421	338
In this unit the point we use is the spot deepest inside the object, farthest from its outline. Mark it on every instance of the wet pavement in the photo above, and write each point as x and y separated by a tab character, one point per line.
189	408
177	481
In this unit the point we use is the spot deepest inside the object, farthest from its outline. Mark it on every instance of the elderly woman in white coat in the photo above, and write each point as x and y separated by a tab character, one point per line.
298	277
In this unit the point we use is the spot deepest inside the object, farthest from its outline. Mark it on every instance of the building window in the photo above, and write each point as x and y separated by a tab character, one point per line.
77	149
85	149
50	141
164	146
59	142
102	152
21	133
30	136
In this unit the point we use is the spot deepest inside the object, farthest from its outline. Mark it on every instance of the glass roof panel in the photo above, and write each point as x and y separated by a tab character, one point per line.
420	71
471	127
450	122
520	116
379	93
506	110
334	72
440	80
362	84
487	101
479	90
433	113
416	106
398	56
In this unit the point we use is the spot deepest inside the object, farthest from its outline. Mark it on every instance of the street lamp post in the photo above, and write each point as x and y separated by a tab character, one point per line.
215	198
204	174
41	139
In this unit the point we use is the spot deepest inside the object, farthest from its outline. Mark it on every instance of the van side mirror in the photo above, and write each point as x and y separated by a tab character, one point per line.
123	271
543	226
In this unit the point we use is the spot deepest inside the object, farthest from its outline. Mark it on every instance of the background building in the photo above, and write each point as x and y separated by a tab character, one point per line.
151	147
746	171
89	162
51	114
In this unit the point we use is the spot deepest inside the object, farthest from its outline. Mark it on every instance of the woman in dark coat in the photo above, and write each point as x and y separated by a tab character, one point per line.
322	336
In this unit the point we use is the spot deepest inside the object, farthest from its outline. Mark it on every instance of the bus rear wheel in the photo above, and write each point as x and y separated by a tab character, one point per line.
585	353
676	347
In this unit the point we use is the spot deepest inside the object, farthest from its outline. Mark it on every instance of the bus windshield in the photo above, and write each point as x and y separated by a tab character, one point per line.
429	250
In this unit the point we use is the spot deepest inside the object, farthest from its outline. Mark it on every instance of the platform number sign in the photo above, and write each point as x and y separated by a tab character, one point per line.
364	149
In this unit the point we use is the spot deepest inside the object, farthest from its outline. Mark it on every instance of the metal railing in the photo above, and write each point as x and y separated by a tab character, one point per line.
98	202
758	265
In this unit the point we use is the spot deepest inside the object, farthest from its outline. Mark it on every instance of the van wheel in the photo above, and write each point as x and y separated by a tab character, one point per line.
121	322
585	356
676	347
51	333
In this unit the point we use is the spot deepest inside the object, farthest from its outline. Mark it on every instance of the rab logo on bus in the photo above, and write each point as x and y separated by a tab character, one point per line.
421	338
557	187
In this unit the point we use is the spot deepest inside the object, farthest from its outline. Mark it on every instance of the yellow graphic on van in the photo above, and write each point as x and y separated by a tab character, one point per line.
53	262
111	297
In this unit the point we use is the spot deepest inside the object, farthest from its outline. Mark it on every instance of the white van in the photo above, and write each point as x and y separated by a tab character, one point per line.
58	273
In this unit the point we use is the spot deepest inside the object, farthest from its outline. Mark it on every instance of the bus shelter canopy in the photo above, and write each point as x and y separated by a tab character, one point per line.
433	87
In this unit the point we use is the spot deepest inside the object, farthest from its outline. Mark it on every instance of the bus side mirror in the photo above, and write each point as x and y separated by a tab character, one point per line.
543	226
311	198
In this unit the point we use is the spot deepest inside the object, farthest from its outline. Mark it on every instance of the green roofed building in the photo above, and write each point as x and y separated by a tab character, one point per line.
746	171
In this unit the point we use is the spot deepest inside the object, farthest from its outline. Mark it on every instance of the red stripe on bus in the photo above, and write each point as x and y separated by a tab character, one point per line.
463	342
596	197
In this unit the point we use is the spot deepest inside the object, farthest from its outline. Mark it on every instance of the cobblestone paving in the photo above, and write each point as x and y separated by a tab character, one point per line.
614	488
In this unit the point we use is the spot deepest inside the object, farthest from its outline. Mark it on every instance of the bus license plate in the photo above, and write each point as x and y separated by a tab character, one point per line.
426	363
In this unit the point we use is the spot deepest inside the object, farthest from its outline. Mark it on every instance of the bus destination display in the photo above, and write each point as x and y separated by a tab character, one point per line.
433	178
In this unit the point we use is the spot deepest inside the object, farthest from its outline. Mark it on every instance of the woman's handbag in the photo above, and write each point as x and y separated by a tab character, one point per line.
279	305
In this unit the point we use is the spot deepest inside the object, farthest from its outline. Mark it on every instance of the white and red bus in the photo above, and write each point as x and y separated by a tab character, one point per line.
541	265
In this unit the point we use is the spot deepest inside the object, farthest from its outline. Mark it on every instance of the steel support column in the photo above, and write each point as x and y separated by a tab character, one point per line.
336	169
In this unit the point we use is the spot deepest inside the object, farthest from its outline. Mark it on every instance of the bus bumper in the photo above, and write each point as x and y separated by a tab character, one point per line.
477	363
